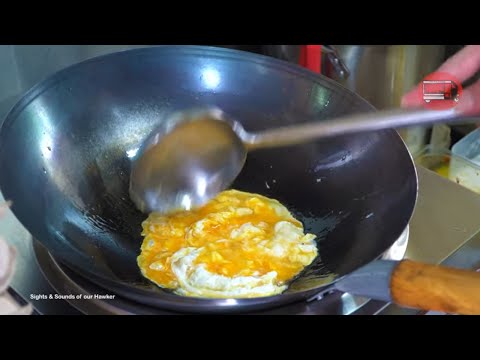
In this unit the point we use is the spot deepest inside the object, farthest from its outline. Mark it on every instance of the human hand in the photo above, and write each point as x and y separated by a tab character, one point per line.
462	66
7	256
8	304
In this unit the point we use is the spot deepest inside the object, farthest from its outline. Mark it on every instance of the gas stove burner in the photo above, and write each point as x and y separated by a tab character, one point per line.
90	299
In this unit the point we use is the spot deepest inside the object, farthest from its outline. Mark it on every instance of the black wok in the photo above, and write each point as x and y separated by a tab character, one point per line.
65	151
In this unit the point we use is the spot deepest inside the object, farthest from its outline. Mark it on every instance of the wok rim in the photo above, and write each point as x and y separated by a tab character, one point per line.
294	69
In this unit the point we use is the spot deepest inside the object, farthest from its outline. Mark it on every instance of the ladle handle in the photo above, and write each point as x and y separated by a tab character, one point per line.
433	287
371	121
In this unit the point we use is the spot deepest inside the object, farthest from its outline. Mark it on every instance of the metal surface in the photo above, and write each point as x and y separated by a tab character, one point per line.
371	281
382	74
290	53
24	65
185	162
336	61
195	155
72	136
447	226
83	294
345	125
447	213
438	234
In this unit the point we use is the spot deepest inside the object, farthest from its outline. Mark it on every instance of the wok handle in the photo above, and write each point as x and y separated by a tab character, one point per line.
434	287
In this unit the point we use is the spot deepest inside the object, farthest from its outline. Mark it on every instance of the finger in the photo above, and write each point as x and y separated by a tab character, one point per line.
413	98
463	64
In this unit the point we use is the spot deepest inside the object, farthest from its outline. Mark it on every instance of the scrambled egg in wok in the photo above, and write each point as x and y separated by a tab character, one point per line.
239	245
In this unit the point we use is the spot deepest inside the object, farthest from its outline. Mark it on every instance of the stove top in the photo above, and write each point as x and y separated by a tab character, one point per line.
445	229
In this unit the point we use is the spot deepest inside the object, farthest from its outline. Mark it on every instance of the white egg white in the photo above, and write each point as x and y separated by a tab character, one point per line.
196	280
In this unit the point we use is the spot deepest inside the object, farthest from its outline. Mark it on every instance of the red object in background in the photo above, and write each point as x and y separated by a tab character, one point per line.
311	57
440	91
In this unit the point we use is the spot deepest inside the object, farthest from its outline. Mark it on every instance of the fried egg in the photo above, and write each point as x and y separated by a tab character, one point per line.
238	245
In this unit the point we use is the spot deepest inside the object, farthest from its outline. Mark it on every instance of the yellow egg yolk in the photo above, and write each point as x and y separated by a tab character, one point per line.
240	234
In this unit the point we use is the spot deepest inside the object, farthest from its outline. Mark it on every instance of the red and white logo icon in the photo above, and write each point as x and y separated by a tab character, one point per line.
440	91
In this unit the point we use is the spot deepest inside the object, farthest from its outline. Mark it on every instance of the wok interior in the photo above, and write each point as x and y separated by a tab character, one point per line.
66	150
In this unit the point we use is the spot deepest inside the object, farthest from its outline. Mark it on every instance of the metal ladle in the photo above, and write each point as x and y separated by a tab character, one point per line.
195	155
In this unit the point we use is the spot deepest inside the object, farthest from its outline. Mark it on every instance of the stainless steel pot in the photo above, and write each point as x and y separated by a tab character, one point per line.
383	73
